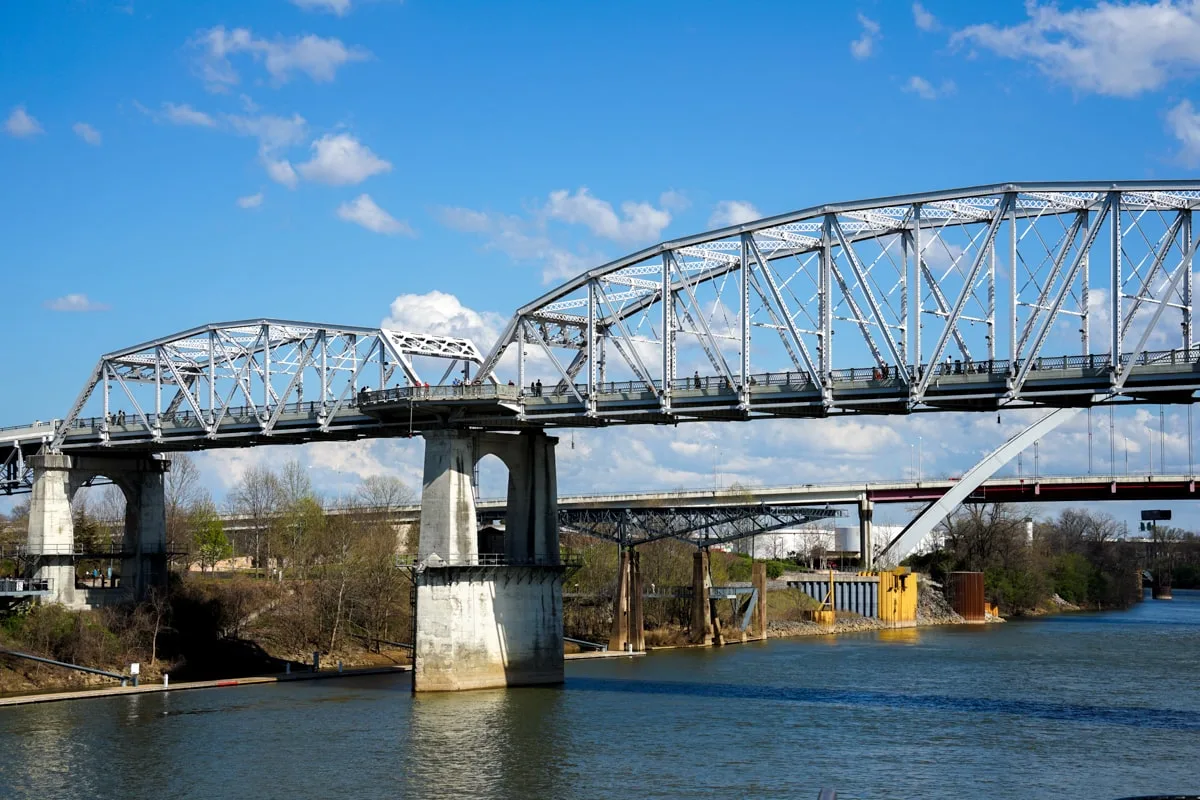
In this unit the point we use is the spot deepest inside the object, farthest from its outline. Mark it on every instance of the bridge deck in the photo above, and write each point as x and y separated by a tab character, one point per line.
1167	377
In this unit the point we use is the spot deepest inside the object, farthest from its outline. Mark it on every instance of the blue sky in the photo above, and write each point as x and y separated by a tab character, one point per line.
170	164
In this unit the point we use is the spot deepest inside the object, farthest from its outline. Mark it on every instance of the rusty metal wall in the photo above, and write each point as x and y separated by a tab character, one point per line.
965	593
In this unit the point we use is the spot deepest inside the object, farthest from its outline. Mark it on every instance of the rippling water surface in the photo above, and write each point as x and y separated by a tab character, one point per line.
1078	706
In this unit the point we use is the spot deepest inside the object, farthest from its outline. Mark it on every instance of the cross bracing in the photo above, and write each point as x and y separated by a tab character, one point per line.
256	375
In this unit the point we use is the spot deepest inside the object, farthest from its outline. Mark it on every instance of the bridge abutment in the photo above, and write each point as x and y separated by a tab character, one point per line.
51	549
487	621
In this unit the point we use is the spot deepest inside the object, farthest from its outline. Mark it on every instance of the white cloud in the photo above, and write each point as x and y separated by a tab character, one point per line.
733	212
281	172
340	159
637	222
318	58
923	19
520	239
864	46
339	7
250	201
674	200
21	124
87	133
363	211
74	302
272	132
1120	49
186	115
443	314
1184	123
926	90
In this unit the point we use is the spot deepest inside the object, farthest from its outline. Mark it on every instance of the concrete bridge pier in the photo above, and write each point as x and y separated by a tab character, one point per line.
51	545
866	539
701	631
628	621
758	627
488	621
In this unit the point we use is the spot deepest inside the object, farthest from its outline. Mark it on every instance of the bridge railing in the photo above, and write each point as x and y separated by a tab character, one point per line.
24	586
412	560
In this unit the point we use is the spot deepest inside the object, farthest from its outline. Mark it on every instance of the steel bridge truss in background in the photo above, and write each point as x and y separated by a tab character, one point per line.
982	275
698	526
220	375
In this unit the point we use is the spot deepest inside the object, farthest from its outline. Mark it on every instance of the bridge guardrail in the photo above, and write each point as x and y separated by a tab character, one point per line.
486	560
24	586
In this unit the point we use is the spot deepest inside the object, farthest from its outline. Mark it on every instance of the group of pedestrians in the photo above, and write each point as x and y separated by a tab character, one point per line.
117	418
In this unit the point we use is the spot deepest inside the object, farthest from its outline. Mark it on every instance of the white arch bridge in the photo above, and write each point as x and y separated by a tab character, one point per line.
1059	295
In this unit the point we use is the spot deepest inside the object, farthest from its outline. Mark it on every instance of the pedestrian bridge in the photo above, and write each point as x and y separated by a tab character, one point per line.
1053	295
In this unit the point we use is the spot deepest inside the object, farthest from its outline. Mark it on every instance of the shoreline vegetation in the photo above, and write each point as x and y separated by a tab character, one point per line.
303	575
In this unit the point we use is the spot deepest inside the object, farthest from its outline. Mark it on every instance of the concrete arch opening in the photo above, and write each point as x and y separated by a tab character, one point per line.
56	547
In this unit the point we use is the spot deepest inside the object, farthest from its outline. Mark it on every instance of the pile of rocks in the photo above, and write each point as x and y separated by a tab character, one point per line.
932	607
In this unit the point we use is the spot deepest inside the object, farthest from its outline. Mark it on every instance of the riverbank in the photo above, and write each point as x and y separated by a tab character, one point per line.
254	680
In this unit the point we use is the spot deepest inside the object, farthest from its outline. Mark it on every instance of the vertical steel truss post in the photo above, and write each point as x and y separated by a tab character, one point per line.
1116	285
744	324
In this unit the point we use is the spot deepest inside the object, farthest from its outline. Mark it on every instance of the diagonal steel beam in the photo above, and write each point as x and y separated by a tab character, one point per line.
1029	359
901	367
926	374
1184	268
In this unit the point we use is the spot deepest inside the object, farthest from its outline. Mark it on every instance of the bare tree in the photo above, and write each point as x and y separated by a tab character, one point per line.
257	498
384	493
182	489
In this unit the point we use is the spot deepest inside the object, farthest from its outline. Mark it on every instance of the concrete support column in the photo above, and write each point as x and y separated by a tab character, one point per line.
701	628
866	540
448	527
51	540
145	531
531	532
759	579
628	621
620	626
637	621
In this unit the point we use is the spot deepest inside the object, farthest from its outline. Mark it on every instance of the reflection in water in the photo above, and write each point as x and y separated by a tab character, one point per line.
480	743
900	635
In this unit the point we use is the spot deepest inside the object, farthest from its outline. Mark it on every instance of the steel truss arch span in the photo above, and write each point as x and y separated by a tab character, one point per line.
988	278
219	375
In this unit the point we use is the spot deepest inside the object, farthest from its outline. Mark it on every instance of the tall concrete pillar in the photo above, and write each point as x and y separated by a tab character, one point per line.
51	539
866	539
531	524
495	624
145	544
448	526
701	628
759	579
637	621
620	626
628	621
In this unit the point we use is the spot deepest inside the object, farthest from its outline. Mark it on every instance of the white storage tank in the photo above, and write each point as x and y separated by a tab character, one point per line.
846	540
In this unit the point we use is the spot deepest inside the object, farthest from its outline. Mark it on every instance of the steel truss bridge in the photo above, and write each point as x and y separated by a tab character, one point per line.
998	296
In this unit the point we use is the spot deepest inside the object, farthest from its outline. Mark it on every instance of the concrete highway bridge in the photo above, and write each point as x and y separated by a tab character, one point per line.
973	299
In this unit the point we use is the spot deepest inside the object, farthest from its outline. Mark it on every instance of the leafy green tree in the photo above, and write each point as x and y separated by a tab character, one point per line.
208	535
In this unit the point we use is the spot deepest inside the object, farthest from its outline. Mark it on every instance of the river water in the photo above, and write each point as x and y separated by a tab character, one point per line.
1076	706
